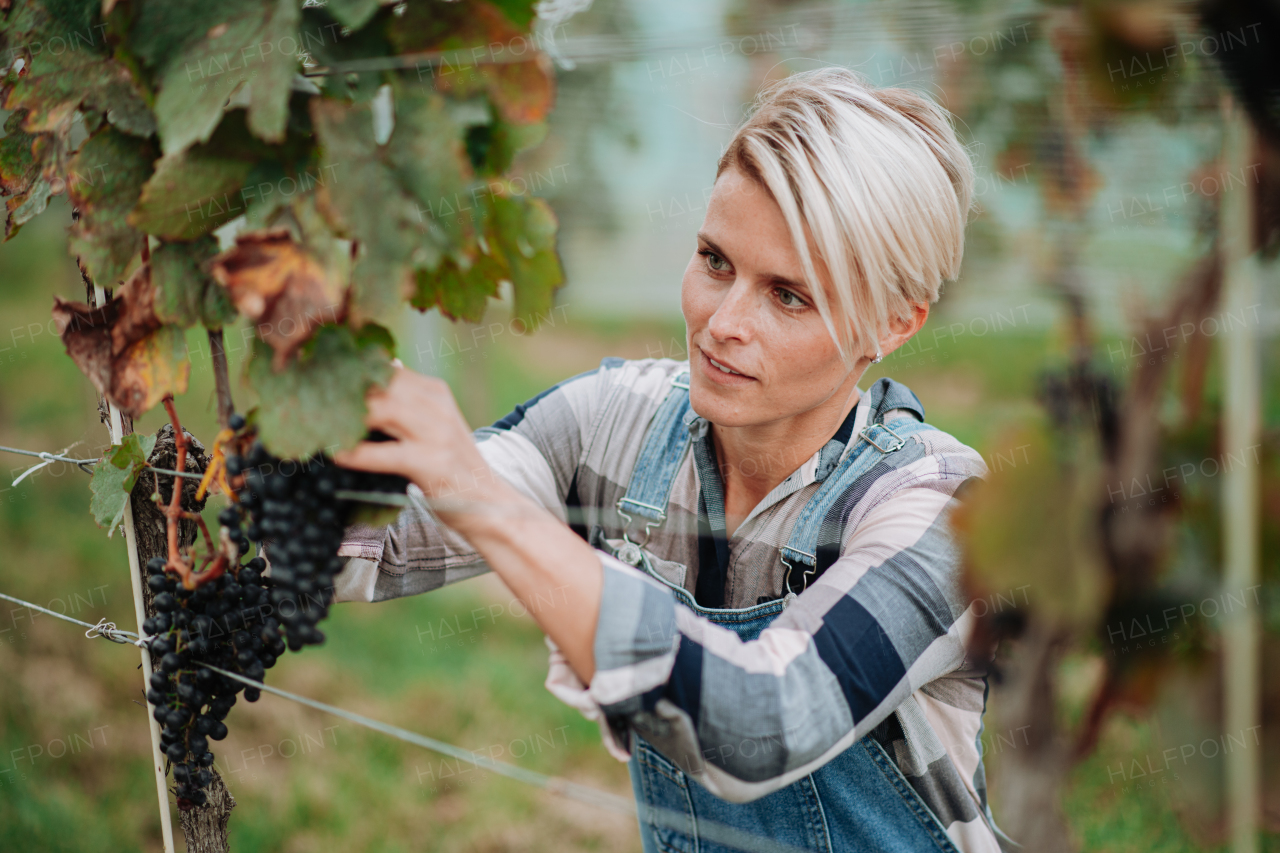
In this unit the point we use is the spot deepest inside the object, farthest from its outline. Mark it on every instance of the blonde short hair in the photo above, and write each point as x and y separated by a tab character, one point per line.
872	180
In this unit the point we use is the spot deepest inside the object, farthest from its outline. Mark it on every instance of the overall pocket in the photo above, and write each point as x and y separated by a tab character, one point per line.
691	815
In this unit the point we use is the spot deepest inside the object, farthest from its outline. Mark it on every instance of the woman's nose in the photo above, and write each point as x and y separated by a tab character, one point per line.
734	316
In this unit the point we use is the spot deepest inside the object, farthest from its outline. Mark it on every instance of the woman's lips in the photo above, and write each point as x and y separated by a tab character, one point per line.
718	376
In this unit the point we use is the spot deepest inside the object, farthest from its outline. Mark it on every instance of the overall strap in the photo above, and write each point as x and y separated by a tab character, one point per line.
872	443
664	447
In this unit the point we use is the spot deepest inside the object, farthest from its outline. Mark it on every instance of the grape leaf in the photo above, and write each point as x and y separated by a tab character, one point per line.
185	293
520	247
109	172
128	355
427	152
197	190
459	293
524	231
24	159
151	369
519	12
281	287
492	147
523	90
204	53
69	66
368	42
317	401
369	204
114	477
192	193
269	95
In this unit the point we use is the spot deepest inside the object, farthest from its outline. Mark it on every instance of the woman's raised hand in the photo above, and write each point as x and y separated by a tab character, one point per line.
432	445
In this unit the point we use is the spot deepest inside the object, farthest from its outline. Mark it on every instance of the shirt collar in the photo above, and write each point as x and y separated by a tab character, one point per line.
817	467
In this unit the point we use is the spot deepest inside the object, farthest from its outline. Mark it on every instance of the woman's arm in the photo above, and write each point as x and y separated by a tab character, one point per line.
548	567
535	449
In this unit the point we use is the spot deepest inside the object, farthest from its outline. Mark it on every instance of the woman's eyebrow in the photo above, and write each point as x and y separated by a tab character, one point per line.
713	245
783	281
772	278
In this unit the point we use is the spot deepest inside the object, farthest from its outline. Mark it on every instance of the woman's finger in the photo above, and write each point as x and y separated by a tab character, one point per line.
380	457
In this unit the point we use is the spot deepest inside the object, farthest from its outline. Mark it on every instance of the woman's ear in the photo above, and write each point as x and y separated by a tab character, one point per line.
901	329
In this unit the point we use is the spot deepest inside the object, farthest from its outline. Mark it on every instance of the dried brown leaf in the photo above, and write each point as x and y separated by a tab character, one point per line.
130	356
279	285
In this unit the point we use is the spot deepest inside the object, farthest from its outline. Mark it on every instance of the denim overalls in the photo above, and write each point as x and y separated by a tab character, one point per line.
859	801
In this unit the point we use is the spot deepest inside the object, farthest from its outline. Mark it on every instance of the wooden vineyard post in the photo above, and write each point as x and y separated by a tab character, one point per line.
1241	491
115	424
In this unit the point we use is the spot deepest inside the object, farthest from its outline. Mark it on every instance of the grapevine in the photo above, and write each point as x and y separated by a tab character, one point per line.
241	615
158	141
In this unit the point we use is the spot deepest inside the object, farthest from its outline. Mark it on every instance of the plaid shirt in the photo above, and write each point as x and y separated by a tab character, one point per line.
875	645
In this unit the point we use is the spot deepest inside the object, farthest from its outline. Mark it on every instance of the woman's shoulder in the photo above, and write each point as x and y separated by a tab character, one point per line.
644	375
939	451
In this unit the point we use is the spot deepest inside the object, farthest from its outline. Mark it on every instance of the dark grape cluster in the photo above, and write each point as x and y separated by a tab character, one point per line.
244	620
293	508
219	623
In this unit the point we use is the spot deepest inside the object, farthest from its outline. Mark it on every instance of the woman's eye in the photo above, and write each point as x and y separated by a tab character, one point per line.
789	299
714	261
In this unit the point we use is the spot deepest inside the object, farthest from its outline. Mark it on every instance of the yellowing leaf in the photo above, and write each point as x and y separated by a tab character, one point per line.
281	287
150	369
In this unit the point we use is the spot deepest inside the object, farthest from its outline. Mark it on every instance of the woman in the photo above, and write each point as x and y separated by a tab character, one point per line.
758	598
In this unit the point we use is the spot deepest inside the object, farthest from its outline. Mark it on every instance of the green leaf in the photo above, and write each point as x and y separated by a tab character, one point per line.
24	158
459	294
317	402
371	333
192	193
427	152
70	66
355	13
205	53
269	95
519	12
114	476
492	147
196	191
108	173
525	232
185	293
368	203
367	42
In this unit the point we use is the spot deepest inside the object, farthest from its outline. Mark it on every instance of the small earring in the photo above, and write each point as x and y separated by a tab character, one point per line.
879	358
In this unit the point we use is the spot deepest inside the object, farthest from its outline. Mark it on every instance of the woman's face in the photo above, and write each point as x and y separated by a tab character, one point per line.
748	307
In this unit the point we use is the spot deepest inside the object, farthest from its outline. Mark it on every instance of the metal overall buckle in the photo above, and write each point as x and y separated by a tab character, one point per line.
898	441
629	551
786	579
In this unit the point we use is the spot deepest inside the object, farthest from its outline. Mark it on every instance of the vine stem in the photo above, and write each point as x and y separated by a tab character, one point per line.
116	425
221	380
174	514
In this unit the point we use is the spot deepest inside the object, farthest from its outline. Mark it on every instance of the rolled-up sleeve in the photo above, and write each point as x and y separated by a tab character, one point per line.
748	718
